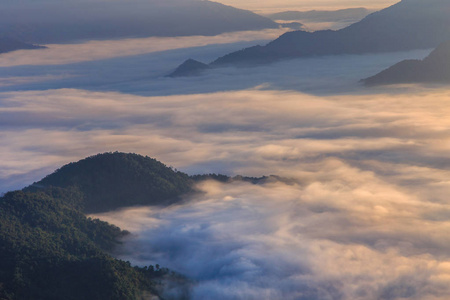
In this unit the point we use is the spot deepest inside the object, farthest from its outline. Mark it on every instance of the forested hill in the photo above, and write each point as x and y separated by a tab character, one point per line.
51	251
112	180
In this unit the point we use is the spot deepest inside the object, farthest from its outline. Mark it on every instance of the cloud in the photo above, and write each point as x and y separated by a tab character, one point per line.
365	216
352	236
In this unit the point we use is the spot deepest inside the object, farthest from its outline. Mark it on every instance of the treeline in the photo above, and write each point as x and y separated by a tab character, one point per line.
50	250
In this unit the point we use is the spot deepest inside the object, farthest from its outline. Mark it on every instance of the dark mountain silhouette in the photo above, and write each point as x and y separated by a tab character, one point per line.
322	15
112	180
9	44
54	21
407	25
433	69
190	67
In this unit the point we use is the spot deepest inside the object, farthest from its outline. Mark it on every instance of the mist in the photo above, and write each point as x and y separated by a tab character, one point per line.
56	22
62	54
145	73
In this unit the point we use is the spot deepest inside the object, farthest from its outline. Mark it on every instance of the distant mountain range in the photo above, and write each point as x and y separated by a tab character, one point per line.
433	69
9	44
407	25
322	15
52	21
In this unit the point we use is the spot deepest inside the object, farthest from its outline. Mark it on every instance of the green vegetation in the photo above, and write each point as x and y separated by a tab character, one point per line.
50	250
112	180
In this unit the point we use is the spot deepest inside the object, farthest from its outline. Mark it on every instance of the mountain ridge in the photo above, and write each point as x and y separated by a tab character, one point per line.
48	22
406	25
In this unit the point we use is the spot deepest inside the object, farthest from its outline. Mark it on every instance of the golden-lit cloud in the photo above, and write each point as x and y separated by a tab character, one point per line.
244	132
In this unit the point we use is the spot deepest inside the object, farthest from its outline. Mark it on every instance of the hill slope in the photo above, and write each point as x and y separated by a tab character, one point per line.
53	21
113	180
409	24
433	69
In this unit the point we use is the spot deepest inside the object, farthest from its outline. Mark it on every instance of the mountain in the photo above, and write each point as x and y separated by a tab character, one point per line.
407	25
190	67
113	180
322	15
50	251
433	69
10	44
54	21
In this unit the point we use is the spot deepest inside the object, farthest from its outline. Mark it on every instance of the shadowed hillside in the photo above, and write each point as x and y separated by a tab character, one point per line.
433	69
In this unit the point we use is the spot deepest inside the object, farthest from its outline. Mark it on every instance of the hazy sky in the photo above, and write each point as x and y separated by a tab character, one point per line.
267	6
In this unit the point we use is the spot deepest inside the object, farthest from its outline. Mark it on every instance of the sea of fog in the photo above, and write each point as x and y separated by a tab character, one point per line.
361	211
